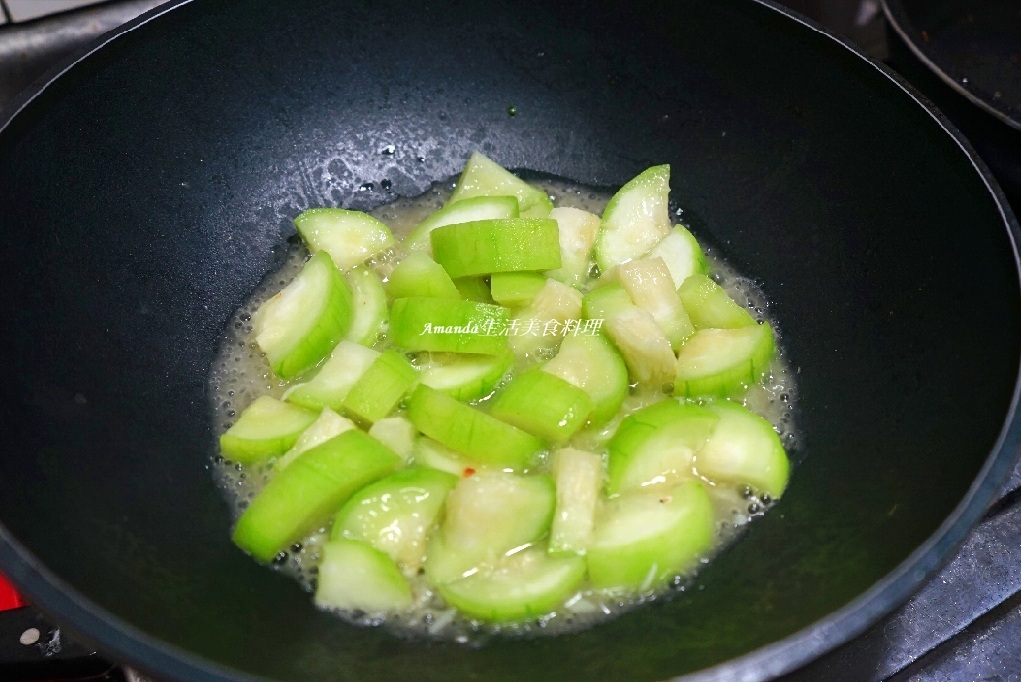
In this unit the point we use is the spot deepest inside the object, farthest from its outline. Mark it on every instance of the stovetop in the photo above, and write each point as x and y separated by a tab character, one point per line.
965	625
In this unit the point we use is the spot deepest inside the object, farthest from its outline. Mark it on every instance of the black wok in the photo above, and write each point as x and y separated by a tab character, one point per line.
966	58
148	190
974	47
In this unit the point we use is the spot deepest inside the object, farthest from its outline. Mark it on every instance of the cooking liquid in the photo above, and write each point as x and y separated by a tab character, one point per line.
241	374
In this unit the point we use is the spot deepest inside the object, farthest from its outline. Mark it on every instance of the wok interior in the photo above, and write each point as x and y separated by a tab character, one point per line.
143	210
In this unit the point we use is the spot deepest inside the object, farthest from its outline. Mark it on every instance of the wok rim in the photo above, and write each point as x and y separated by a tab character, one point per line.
896	14
124	642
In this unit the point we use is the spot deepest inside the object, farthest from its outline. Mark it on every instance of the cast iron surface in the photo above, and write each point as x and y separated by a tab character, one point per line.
148	208
973	45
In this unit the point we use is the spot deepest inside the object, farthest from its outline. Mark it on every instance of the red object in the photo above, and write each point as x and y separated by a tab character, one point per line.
9	597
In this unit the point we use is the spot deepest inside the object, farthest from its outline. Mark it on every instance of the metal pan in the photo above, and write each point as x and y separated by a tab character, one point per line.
974	46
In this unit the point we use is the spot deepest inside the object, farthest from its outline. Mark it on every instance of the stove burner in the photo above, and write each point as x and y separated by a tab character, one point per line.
33	650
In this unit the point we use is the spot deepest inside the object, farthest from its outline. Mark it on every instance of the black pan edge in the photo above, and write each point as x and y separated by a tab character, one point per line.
9	113
922	565
120	640
898	21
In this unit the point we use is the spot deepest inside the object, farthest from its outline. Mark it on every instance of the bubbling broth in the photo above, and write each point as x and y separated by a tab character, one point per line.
241	373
